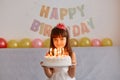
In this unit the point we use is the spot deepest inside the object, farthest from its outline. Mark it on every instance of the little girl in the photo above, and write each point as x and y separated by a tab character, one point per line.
60	39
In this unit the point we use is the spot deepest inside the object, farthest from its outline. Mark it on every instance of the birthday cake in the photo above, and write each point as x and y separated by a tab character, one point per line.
56	57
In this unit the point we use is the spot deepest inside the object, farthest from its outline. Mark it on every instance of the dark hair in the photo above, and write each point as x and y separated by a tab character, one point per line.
57	32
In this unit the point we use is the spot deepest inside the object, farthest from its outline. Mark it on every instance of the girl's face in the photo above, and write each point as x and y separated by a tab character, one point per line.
59	42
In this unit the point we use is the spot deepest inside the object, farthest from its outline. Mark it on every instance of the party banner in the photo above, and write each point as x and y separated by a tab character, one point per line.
73	15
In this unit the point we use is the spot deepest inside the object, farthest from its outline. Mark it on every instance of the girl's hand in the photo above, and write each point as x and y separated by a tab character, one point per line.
41	63
73	59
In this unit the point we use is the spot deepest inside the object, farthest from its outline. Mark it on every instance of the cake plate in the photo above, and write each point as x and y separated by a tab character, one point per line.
57	65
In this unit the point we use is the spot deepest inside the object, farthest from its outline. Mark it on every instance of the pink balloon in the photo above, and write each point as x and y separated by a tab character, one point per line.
37	43
96	42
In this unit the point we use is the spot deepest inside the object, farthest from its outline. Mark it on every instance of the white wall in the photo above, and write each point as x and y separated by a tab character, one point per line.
16	18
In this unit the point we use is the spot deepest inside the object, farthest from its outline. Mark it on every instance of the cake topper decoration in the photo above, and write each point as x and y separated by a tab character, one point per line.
61	26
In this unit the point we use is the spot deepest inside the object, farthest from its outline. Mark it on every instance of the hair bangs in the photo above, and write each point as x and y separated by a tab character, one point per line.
58	33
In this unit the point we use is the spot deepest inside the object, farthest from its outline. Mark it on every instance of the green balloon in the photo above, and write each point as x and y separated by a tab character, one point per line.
25	43
12	44
74	42
85	42
46	43
107	42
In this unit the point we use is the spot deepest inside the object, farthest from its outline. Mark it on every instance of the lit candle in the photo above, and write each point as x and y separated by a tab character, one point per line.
50	51
55	52
59	51
62	51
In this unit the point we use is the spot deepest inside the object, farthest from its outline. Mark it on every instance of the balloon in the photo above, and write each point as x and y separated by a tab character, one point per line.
74	42
107	42
12	44
3	43
46	43
25	43
96	42
37	43
84	42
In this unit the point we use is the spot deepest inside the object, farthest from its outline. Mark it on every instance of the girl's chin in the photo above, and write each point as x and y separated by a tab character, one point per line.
60	47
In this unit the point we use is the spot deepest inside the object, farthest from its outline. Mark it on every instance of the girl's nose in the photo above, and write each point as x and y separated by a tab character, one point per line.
58	42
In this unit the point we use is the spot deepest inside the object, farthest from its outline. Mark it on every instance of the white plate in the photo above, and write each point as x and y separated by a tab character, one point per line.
57	65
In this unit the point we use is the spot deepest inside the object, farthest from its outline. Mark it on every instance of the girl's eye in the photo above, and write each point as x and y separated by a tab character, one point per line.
55	39
62	38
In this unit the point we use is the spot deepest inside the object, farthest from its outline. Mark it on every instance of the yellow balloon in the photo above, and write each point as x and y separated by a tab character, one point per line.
46	43
74	42
107	42
12	44
85	42
25	43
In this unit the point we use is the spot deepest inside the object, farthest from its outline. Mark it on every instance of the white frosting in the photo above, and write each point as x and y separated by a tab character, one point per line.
57	61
